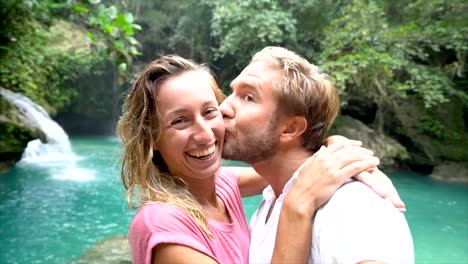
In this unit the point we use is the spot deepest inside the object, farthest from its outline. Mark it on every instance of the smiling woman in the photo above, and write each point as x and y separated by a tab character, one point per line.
173	132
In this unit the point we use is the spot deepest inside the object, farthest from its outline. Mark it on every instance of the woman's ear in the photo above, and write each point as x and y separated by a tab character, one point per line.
155	146
293	127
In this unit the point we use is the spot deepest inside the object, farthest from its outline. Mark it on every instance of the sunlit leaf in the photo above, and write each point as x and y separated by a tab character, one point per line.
122	67
129	18
90	36
80	9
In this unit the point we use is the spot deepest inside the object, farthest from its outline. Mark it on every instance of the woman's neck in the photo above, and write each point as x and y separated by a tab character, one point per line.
205	194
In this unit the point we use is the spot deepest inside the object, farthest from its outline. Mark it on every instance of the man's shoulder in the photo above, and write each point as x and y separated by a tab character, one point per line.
353	192
357	200
357	224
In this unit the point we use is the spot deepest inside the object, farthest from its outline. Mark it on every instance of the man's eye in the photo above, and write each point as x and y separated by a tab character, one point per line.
248	98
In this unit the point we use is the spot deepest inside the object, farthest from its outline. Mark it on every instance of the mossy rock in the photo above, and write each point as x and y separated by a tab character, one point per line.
15	133
13	138
431	136
114	250
390	152
456	172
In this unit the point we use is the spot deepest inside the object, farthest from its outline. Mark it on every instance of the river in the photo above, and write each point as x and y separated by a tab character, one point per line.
53	212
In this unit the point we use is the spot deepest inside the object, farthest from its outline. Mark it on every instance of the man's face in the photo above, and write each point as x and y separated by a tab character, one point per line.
250	115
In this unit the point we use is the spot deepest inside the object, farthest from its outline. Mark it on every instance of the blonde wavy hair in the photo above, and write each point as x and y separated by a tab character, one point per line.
302	90
144	173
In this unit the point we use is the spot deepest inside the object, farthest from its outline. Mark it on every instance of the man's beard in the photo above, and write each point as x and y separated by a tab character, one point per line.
256	146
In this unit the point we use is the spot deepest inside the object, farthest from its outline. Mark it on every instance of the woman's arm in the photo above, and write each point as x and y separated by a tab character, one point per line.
178	254
250	182
320	177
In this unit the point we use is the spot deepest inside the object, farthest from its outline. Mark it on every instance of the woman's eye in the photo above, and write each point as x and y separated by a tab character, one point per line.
211	111
177	121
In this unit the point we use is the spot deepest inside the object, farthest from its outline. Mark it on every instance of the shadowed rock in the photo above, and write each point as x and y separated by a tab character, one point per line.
387	149
114	250
451	171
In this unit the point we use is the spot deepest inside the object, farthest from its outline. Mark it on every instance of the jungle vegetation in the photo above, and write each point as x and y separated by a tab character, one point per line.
399	65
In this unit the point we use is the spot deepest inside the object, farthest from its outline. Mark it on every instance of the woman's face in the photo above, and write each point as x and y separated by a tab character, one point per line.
191	126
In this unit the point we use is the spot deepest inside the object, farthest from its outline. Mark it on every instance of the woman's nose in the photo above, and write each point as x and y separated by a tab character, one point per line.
203	133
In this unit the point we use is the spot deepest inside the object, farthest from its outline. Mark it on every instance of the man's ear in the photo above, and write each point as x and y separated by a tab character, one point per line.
293	127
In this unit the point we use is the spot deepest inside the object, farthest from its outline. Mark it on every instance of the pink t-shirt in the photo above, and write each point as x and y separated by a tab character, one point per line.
164	223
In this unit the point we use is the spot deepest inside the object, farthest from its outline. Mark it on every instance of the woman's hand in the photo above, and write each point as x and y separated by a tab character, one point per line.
382	185
324	172
374	178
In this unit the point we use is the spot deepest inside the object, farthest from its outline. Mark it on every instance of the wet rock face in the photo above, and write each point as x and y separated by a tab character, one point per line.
114	250
451	171
431	139
390	152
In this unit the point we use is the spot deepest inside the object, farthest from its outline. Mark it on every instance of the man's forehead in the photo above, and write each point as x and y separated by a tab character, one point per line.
255	68
254	75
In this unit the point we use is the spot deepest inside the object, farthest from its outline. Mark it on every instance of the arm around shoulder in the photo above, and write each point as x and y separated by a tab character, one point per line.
250	182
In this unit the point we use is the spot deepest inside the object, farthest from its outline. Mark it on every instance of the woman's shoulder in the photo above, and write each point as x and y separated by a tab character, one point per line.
227	175
155	216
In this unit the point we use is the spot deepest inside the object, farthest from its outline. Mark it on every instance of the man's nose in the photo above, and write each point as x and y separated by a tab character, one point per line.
226	108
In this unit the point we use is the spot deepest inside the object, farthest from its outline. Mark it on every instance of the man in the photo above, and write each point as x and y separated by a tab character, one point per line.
277	116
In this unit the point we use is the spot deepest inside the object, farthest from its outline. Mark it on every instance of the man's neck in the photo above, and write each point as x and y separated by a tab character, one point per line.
279	169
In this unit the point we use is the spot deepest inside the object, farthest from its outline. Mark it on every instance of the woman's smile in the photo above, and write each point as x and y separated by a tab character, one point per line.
203	154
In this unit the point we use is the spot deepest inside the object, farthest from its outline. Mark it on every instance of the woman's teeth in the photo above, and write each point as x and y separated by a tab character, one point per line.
202	153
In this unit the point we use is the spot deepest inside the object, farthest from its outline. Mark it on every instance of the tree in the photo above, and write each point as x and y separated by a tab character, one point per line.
243	27
32	63
371	55
180	26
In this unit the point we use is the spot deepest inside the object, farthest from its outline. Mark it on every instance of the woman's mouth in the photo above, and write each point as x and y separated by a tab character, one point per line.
202	154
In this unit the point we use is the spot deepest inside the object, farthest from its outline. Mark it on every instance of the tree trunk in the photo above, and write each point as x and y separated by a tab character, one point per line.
115	93
379	119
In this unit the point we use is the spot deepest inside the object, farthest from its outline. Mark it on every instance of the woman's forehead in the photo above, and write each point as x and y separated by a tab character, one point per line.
189	87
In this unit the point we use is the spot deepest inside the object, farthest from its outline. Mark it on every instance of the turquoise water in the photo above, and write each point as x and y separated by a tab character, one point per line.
53	213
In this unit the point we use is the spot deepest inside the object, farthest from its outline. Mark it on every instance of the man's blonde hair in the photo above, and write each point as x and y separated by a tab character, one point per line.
302	90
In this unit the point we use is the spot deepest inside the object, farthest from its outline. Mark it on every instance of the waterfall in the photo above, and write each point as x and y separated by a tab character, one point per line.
56	155
57	147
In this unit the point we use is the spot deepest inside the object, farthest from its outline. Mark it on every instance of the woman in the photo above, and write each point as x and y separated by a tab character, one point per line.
172	132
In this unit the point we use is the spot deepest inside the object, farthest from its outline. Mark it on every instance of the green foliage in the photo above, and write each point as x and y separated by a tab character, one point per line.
39	72
372	55
111	31
363	52
13	138
33	57
431	127
179	26
243	27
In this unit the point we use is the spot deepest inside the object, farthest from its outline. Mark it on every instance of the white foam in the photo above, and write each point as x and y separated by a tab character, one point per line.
75	174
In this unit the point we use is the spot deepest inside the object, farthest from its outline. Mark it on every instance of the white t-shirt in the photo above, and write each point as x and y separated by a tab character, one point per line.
354	225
